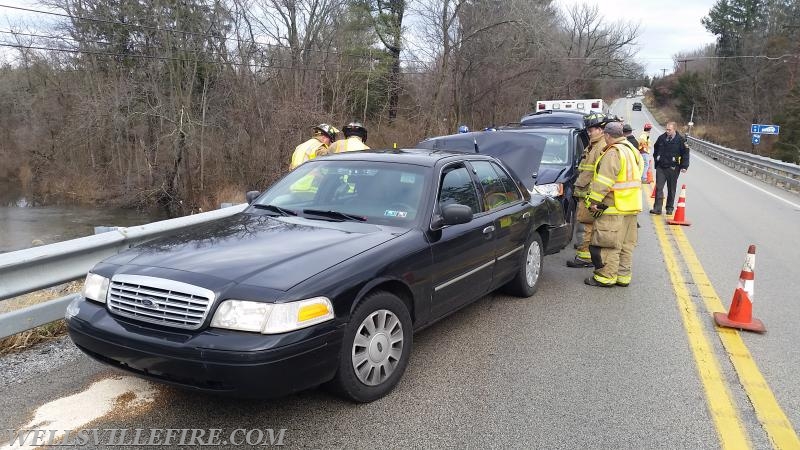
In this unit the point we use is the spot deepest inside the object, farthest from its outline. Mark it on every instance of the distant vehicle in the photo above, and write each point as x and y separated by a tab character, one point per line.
584	106
637	106
629	95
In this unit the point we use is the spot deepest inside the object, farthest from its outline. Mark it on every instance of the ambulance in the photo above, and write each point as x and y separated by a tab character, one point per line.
584	106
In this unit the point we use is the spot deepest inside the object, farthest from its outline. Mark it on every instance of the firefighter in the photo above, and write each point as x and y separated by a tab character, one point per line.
594	127
324	134
355	138
644	150
615	198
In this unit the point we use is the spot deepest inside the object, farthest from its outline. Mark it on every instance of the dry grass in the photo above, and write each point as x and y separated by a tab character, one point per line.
662	114
26	339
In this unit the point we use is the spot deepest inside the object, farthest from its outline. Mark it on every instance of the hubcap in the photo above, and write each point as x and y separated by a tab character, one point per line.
377	347
533	263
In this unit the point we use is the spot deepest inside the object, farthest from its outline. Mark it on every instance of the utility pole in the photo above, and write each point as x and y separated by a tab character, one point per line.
684	61
663	73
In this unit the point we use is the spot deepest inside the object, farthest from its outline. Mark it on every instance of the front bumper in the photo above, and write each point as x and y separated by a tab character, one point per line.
223	361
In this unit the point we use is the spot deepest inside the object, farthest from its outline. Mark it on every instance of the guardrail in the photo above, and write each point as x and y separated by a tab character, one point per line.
782	174
33	269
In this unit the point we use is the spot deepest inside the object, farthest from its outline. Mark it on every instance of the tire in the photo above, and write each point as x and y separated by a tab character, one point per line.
526	281
367	346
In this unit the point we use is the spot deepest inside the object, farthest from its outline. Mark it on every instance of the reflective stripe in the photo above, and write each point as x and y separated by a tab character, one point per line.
586	256
628	185
595	196
604	180
585	166
605	280
624	279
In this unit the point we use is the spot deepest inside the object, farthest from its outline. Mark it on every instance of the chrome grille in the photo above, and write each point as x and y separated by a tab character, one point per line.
158	300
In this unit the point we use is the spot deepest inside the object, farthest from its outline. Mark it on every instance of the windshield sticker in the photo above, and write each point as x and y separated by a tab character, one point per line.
407	178
390	213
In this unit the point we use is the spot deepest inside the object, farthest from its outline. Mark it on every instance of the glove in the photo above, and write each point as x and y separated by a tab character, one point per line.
599	211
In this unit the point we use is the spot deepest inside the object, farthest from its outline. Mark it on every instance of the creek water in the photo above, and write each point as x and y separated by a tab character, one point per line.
22	222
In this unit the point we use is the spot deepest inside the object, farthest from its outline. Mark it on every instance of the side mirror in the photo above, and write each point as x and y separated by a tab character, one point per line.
456	214
251	196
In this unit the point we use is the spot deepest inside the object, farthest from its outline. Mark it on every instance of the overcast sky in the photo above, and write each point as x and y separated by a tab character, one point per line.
666	27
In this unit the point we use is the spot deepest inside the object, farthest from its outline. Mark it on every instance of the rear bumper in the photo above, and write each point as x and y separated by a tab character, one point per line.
221	361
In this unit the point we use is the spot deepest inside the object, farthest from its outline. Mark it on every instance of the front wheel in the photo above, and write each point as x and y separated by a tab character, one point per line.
526	281
375	349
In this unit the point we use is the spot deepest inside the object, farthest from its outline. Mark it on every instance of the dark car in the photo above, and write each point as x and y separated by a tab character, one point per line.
637	106
553	174
323	278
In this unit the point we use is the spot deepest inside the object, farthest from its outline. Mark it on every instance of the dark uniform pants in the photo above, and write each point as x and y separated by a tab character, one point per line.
669	176
613	240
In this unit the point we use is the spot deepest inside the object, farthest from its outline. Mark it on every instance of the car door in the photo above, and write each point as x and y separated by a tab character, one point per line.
510	217
463	255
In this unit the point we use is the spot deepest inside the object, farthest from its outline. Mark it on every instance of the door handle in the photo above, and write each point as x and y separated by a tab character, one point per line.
526	215
488	229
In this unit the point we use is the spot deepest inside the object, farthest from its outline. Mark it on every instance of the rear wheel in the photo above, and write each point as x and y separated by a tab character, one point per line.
375	349
526	281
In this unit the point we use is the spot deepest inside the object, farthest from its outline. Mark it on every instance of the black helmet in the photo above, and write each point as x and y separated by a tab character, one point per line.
327	130
595	120
355	129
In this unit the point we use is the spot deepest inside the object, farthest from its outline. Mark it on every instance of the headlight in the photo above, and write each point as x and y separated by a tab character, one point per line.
272	318
95	287
550	190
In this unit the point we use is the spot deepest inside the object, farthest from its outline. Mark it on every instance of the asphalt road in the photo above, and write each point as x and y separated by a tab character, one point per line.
571	367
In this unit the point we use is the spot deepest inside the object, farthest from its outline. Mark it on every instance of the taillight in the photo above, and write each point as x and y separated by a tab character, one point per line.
541	106
595	104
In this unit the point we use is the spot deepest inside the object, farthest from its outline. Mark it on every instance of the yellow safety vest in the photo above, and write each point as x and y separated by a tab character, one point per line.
627	188
306	151
351	144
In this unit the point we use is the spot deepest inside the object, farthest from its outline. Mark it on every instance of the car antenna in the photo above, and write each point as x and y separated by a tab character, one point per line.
475	143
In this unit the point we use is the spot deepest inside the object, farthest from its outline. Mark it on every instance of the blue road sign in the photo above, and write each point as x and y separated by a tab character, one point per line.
757	128
756	138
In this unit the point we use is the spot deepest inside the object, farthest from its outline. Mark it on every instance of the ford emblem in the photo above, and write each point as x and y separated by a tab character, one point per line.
148	302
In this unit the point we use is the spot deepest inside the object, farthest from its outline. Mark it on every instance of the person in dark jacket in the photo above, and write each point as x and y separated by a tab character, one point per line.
627	131
671	158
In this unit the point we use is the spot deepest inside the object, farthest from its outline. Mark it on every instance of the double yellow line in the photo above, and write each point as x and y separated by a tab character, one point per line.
723	410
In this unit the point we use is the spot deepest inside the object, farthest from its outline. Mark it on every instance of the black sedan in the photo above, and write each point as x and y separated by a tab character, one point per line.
323	279
637	106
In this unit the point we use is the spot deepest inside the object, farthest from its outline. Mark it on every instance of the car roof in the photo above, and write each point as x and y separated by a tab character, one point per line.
555	111
416	156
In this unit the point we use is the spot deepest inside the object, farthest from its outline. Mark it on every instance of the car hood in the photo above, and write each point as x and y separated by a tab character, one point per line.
259	250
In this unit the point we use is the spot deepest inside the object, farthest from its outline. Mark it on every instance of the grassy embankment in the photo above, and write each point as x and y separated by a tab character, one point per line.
26	339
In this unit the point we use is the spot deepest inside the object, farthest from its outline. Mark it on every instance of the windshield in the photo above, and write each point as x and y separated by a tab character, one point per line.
368	191
556	150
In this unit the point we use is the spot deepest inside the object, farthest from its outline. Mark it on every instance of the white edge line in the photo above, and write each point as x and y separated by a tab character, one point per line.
694	154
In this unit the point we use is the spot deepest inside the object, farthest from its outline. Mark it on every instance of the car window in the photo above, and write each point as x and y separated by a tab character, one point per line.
383	193
457	188
498	188
556	150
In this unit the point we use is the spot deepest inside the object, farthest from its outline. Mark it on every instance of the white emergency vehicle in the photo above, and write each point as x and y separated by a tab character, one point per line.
585	106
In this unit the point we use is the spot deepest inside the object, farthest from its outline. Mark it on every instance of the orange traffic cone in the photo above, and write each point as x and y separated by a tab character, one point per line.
653	195
650	175
740	314
680	213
